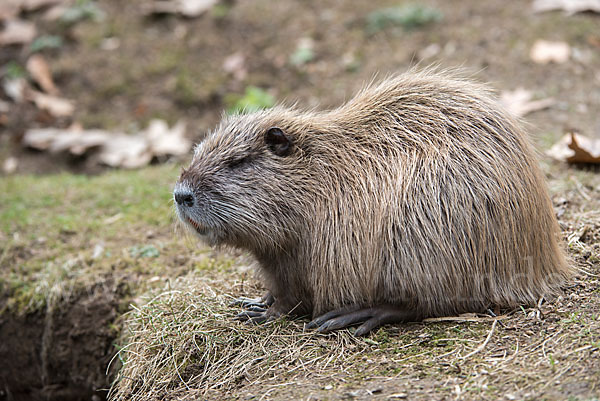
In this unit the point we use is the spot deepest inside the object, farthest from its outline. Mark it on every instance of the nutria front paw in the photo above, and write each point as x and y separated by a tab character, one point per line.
257	315
257	310
371	318
247	303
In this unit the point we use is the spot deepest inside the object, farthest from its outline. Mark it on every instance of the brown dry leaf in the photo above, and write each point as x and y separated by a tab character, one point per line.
10	165
57	106
165	141
15	88
187	8
193	8
544	52
129	151
576	148
235	65
55	13
75	141
430	51
40	72
8	10
31	5
4	106
115	149
569	6
519	102
17	32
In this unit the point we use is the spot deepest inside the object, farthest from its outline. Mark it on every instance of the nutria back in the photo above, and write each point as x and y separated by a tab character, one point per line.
421	193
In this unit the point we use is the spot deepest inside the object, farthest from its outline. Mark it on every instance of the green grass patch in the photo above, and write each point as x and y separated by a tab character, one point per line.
43	206
254	99
65	232
407	16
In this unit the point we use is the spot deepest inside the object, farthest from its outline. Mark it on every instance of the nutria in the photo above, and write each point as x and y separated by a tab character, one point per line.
420	197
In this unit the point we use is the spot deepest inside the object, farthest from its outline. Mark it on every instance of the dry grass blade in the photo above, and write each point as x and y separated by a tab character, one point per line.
482	346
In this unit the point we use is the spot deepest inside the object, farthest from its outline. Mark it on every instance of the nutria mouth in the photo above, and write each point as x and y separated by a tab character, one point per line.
199	229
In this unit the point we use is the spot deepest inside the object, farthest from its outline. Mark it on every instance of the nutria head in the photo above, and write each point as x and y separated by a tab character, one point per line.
242	184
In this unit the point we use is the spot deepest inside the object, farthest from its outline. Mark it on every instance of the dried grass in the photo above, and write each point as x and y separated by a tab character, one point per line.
184	343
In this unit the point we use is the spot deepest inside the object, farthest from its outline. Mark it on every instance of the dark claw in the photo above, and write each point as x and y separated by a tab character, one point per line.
367	326
256	320
247	315
264	318
248	303
255	308
328	316
264	302
345	320
371	318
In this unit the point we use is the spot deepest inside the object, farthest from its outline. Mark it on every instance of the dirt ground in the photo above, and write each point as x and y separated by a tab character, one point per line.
172	68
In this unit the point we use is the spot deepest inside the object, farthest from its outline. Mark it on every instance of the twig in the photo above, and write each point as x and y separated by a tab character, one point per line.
482	346
464	319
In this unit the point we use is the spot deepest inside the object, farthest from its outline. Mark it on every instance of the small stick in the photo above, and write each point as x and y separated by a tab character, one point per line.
482	346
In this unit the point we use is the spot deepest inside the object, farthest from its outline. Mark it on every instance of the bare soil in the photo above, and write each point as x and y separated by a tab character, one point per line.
61	353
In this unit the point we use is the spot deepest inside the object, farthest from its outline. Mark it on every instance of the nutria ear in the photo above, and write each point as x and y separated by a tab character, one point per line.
278	142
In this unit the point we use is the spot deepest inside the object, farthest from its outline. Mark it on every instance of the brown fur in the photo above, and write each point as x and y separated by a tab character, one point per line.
420	192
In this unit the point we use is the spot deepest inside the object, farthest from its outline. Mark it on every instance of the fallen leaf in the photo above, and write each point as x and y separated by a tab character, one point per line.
15	88
187	8
54	13
57	106
430	51
569	6
519	102
544	52
110	44
8	10
576	148
114	149
236	66
129	151
40	72
11	8
193	8
4	106
55	140
10	165
31	5
98	250
165	141
17	32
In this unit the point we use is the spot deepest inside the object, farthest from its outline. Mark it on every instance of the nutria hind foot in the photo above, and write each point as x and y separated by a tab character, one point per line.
371	318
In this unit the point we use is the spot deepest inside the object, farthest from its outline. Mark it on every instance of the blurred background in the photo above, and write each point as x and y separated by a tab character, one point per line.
148	74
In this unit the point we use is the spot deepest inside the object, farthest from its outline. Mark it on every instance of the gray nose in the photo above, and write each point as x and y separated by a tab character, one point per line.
184	197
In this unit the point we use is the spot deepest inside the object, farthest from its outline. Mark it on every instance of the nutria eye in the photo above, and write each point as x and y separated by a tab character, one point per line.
235	163
278	142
